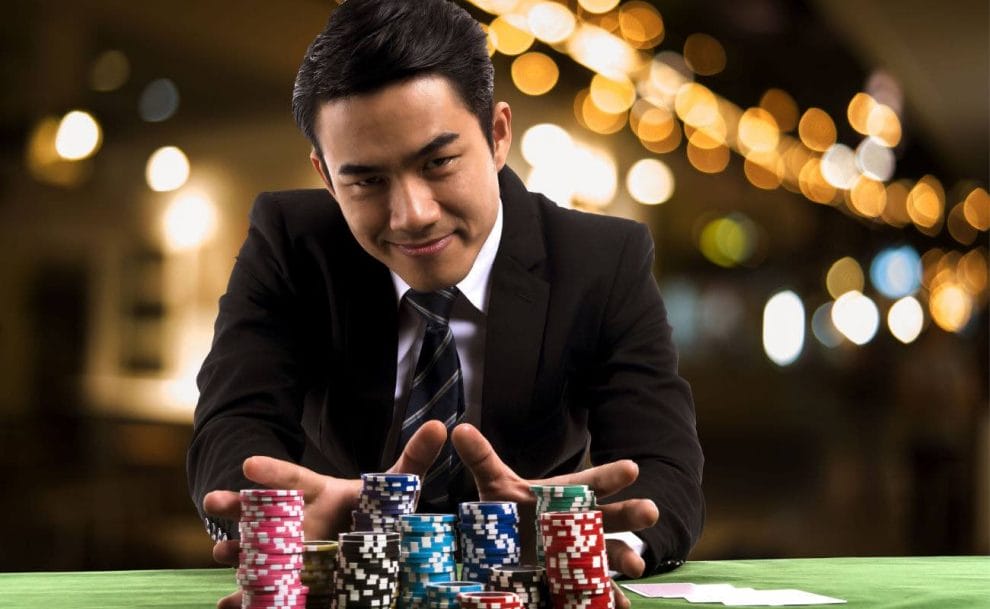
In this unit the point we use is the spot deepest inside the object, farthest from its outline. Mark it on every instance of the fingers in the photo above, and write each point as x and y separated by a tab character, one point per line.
624	559
478	456
629	515
225	552
223	504
275	473
231	601
422	449
606	479
621	602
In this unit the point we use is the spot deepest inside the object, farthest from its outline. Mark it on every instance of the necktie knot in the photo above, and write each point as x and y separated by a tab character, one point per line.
435	307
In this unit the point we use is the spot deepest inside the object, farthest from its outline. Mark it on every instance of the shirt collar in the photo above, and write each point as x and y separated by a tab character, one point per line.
477	284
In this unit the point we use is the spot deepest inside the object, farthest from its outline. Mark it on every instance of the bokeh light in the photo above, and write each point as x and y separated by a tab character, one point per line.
612	95
601	51
875	160
977	209
884	125
823	328
640	24
545	143
109	71
534	73
758	131
510	35
856	317
845	275
814	185
708	160
596	176
551	22
906	319
858	112
817	129
598	6
704	54
728	241
961	230
696	105
159	101
167	169
594	118
783	328
782	106
926	203
651	123
79	136
189	221
895	210
896	272
839	166
951	306
650	181
867	197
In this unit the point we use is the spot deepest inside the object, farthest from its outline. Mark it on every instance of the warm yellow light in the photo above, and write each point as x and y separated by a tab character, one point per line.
728	241
603	52
534	73
708	160
640	24
595	175
494	7
598	6
668	143
109	72
167	169
593	118
972	271
650	181
650	123
709	136
782	106
696	105
545	143
612	96
813	184
510	35
817	130
951	306
79	136
858	112
44	162
884	124
961	230
551	22
868	197
555	180
906	319
977	209
845	275
839	166
189	222
765	172
758	131
704	54
926	202
895	210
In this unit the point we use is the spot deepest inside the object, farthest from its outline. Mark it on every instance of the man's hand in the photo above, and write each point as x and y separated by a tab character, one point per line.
329	500
497	482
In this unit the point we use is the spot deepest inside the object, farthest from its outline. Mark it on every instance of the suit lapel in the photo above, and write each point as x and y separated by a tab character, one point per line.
517	307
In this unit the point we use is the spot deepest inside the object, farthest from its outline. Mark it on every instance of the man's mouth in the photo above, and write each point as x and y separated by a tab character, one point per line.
425	248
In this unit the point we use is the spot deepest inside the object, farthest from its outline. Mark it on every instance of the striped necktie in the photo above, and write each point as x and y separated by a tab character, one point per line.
437	391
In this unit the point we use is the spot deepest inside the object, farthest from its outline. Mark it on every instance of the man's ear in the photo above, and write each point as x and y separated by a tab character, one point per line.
501	133
321	168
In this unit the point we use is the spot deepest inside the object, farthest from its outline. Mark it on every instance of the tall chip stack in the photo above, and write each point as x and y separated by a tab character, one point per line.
576	563
528	582
559	498
367	571
445	595
489	537
319	565
383	498
428	546
271	540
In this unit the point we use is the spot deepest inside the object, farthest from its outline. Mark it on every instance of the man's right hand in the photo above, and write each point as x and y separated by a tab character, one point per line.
329	500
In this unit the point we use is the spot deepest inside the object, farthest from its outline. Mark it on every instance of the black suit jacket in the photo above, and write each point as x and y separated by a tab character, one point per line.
578	355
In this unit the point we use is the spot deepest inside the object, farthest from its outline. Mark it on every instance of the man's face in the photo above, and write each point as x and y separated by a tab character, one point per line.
415	177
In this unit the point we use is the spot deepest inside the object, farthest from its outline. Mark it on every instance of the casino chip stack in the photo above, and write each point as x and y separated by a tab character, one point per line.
319	564
577	567
489	537
559	498
528	582
444	595
489	600
271	529
367	570
385	497
428	546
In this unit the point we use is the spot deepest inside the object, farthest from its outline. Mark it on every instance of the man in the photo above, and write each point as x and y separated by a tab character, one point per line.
562	347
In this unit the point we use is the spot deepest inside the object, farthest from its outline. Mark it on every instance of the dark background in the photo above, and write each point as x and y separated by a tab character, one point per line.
874	450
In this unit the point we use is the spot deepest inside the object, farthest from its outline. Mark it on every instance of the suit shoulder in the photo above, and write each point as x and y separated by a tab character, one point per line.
587	229
297	212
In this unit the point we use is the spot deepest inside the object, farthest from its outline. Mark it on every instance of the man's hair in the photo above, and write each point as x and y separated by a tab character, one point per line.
370	44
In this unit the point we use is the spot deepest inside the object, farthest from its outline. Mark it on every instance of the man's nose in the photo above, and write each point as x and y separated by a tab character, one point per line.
413	207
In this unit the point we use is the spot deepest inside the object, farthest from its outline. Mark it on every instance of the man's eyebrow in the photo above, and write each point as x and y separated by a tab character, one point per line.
431	147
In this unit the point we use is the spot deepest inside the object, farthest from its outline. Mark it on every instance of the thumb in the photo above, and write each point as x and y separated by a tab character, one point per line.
422	449
478	456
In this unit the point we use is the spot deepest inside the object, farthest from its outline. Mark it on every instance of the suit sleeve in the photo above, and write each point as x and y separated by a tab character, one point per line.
253	380
641	409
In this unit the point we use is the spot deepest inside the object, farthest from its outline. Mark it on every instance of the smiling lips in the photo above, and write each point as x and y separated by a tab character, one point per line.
426	248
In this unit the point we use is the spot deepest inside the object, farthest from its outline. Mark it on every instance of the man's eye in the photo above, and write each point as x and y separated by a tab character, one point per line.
369	182
439	162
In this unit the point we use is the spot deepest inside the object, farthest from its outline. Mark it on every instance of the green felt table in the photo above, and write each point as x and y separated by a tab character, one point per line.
938	582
